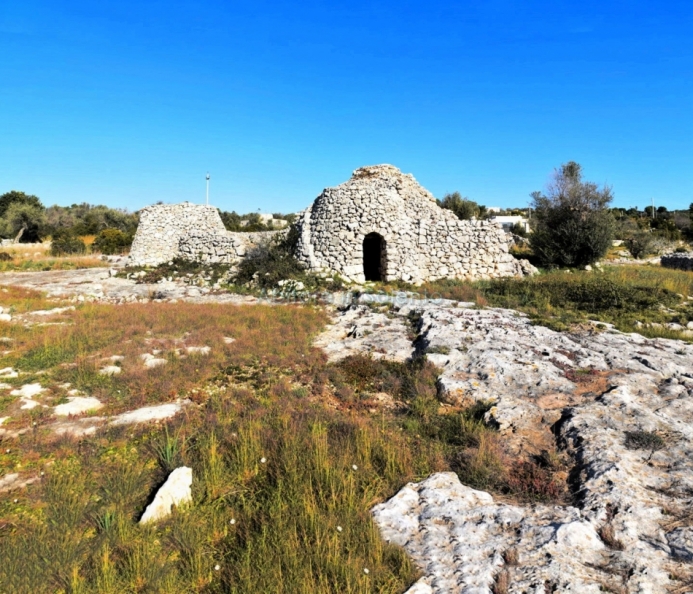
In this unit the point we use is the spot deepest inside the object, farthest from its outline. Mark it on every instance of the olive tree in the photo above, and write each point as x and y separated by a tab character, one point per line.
464	208
23	222
572	223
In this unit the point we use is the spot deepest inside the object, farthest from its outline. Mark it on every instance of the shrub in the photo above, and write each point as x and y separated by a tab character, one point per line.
65	244
463	208
271	261
644	440
112	241
640	244
5	257
572	224
519	230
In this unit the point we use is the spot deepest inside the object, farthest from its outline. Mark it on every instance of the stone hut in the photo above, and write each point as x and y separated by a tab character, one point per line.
191	231
382	225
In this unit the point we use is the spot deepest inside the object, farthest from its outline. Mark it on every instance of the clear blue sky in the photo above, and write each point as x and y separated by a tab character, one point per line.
130	102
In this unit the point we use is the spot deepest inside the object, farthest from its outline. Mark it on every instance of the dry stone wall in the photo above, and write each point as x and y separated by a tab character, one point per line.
420	240
680	261
230	248
191	231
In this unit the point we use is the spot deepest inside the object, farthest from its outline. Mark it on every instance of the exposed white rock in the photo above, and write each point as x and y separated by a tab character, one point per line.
28	390
8	373
77	405
78	427
175	491
198	350
362	330
5	317
110	370
229	340
584	391
50	312
26	394
150	361
459	535
7	481
148	414
14	481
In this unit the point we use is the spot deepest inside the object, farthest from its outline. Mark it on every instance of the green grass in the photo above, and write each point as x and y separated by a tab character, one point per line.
299	522
622	296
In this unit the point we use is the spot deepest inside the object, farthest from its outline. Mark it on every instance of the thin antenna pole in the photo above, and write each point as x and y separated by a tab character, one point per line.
207	189
653	210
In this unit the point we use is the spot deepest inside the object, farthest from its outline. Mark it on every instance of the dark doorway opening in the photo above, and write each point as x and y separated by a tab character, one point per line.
373	257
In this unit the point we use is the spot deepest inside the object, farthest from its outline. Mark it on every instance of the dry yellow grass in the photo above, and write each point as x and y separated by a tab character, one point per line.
31	257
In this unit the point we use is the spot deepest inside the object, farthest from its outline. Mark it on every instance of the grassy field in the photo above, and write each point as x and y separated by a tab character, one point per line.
288	455
31	257
640	298
288	452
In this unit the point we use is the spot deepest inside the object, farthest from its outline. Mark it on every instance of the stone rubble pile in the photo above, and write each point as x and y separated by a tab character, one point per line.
422	241
581	392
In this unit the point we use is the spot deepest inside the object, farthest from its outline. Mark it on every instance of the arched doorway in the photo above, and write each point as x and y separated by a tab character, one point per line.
374	257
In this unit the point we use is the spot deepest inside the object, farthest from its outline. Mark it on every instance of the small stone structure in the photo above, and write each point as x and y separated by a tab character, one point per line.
379	225
678	260
382	225
190	231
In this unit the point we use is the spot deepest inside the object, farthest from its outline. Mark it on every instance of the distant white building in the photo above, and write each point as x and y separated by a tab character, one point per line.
507	222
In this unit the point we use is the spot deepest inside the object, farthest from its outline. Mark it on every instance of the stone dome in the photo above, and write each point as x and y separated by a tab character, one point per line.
382	225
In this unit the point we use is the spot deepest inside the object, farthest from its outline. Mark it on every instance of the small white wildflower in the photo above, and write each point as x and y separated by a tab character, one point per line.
339	528
354	467
263	460
217	567
7	451
233	521
16	500
42	473
366	570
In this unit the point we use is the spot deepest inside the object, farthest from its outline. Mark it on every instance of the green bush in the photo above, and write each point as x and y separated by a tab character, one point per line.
272	261
519	230
640	244
112	241
463	208
66	244
572	224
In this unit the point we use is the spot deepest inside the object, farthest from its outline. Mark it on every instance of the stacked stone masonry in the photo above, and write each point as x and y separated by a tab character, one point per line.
379	225
680	261
419	241
191	231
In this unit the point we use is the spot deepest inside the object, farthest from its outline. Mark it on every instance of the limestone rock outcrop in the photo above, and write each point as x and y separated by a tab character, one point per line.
584	392
174	491
382	224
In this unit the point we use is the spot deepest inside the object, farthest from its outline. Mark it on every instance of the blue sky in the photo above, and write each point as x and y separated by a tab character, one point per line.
129	102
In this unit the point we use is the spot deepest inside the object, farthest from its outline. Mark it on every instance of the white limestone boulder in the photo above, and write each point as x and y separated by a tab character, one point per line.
175	491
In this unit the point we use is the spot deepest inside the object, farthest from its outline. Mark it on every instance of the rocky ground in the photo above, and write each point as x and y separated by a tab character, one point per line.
619	404
106	286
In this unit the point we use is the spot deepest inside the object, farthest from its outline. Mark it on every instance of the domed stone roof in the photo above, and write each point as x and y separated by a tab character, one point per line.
382	225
